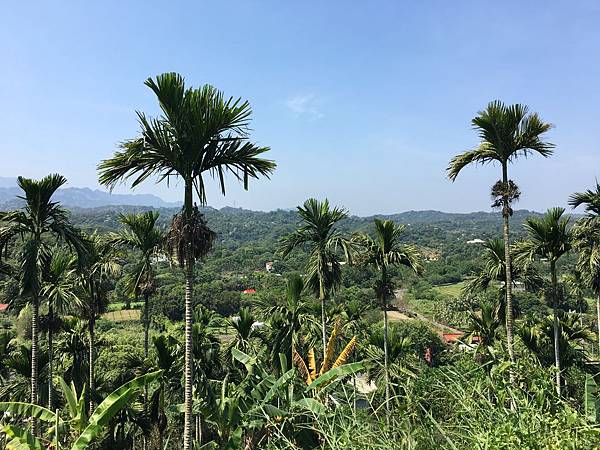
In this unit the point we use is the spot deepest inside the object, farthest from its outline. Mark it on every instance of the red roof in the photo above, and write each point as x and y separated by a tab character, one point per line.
249	291
452	337
3	306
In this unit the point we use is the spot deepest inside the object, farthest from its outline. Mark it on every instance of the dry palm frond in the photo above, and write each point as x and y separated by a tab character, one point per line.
343	357
312	365
302	367
330	349
195	229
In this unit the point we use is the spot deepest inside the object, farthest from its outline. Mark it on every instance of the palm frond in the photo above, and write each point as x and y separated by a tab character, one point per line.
199	132
506	133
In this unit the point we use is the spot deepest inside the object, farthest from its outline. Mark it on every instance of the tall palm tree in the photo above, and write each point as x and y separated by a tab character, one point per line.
587	242
143	235
37	224
494	271
383	251
506	134
60	291
319	233
95	281
548	237
199	133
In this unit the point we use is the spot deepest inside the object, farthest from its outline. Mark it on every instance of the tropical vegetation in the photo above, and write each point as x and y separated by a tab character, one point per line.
301	329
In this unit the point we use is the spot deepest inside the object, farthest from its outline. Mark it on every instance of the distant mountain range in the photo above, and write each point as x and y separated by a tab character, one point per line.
73	197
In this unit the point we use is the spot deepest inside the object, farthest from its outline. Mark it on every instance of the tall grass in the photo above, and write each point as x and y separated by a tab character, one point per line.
453	407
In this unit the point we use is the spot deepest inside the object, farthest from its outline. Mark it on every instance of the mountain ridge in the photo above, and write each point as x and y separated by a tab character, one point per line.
81	197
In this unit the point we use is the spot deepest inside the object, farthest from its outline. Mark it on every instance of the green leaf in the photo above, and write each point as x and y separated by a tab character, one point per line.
283	359
266	411
335	374
591	402
28	410
176	409
21	439
247	360
235	440
311	405
111	406
281	382
70	396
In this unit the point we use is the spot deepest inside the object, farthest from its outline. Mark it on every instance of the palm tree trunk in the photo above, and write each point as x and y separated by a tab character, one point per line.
354	388
50	355
322	298
556	324
508	268
34	357
598	319
198	430
189	289
92	362
385	365
146	325
385	347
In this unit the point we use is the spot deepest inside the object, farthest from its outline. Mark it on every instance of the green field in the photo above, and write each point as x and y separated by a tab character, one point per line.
124	315
452	290
117	306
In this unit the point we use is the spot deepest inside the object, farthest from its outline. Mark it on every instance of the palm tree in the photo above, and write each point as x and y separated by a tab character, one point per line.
199	133
402	361
538	336
73	351
60	291
384	251
286	320
484	325
494	271
95	281
141	234
245	331
39	222
548	237
506	133
318	231
587	242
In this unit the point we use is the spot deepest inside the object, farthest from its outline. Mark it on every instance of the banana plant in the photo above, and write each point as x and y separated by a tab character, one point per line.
241	413
78	430
330	370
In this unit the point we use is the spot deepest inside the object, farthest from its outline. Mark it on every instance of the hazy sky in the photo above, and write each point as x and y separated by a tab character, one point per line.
362	102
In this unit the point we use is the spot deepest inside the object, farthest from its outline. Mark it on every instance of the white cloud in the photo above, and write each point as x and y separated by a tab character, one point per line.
304	106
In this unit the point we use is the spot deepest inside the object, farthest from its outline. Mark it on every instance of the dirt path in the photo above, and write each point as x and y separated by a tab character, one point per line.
398	302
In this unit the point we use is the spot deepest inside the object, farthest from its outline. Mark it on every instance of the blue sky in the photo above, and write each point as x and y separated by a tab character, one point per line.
362	102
